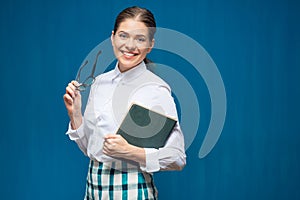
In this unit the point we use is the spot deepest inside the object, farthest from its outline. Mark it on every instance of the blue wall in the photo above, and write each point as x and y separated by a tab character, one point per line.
255	45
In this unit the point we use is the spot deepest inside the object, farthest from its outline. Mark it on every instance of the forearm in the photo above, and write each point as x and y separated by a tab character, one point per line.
136	154
116	146
72	100
170	157
78	136
75	119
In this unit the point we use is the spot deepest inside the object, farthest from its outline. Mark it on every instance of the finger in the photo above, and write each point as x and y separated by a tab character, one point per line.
116	138
104	146
108	142
72	86
68	99
75	83
71	90
108	148
110	136
105	151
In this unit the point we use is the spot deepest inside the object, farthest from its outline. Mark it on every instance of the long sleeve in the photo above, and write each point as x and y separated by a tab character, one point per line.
110	96
170	157
82	134
79	137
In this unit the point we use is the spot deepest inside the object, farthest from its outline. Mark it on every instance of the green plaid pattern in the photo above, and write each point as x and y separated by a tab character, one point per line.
118	180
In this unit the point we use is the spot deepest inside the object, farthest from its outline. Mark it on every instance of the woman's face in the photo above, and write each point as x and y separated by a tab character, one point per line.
131	43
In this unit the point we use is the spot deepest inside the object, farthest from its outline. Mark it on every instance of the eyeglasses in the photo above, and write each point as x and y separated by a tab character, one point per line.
90	79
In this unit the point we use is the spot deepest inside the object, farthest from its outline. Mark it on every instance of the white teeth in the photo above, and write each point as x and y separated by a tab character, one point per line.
128	54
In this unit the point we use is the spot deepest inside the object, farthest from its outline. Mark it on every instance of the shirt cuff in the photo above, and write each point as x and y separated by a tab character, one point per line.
74	134
152	161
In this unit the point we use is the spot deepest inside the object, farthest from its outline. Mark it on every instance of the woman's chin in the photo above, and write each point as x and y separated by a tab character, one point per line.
126	64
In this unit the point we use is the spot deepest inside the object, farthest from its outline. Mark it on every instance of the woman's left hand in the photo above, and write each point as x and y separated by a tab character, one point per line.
115	146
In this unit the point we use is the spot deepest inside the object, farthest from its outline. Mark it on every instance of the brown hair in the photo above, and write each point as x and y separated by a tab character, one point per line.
140	14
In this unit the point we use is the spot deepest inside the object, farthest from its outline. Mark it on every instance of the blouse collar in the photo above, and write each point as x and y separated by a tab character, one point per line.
131	73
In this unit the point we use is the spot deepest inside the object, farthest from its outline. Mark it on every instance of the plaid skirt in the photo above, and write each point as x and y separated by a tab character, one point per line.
118	180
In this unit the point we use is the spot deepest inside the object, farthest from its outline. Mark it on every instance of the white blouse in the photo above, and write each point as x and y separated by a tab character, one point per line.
110	97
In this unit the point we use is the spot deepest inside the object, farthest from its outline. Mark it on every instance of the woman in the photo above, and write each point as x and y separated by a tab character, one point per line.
119	170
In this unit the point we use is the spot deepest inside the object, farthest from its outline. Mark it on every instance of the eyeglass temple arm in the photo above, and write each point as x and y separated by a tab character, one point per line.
81	67
95	63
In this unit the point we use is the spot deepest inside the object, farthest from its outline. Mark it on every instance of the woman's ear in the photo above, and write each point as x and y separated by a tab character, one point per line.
112	37
151	45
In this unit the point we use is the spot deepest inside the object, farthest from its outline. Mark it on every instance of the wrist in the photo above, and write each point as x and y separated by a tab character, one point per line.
136	154
76	121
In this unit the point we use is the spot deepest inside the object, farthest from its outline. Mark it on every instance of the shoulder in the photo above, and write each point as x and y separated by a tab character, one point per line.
154	93
151	79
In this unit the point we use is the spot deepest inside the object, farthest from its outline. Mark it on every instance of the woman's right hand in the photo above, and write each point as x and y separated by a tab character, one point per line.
72	100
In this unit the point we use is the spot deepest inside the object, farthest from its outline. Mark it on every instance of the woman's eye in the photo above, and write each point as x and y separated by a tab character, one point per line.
141	39
123	36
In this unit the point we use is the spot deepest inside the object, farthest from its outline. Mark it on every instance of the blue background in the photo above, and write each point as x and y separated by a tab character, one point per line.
255	44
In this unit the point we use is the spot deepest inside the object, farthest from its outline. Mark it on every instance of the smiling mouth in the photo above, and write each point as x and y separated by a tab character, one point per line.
129	54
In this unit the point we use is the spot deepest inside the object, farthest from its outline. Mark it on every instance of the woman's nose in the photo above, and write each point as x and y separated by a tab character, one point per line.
130	44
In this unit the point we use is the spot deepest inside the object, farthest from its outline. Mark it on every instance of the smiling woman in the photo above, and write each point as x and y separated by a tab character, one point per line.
131	43
118	169
133	37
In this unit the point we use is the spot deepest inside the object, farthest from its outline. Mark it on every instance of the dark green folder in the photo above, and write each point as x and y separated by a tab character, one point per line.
146	128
